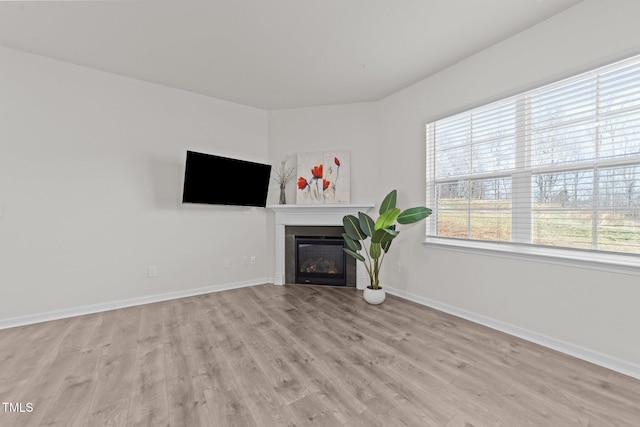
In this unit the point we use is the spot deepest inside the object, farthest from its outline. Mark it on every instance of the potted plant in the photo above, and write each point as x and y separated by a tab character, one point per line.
372	238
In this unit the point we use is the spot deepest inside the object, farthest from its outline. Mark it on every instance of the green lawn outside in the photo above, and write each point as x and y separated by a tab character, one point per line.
491	220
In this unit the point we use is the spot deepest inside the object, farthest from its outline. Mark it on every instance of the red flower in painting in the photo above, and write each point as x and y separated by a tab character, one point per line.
325	184
317	171
302	183
336	161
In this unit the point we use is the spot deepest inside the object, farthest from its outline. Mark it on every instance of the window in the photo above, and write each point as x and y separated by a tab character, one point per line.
558	166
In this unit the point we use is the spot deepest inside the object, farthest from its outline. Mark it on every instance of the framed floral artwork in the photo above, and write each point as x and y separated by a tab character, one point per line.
323	177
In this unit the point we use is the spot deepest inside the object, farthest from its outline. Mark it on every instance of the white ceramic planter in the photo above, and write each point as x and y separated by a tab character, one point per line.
374	296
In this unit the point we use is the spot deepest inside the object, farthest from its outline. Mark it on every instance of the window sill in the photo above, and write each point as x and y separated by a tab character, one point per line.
607	261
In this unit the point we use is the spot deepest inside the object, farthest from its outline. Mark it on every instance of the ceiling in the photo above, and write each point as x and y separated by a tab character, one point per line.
270	53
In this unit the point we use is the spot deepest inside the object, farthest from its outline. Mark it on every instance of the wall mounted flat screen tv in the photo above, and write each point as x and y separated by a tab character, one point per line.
219	180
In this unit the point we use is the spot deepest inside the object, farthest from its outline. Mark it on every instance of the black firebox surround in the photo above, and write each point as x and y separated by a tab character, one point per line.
316	278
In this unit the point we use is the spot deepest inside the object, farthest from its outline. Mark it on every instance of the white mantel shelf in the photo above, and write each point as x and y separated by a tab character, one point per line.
329	214
312	215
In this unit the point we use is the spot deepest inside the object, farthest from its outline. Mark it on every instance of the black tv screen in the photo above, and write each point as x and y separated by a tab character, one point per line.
223	181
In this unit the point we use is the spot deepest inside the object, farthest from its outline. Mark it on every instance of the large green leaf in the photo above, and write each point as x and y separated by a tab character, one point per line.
387	219
389	202
354	254
366	224
412	215
354	245
375	250
387	244
352	228
384	235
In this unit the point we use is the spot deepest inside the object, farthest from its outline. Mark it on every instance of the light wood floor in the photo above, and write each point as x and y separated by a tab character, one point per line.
297	355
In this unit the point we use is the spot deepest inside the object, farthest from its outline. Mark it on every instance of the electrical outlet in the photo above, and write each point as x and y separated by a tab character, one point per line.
253	259
152	271
226	261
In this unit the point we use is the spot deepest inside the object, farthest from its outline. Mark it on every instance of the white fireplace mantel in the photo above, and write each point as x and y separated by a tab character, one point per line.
312	215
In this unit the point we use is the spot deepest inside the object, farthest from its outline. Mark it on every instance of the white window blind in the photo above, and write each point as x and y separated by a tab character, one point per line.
555	166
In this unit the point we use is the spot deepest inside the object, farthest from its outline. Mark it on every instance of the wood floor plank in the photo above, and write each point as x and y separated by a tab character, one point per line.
266	402
148	403
40	389
113	377
78	337
110	414
29	347
72	401
298	355
311	410
116	364
216	377
106	325
125	335
187	402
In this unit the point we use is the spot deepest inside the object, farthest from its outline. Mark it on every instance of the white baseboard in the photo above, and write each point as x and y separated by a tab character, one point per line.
609	362
112	305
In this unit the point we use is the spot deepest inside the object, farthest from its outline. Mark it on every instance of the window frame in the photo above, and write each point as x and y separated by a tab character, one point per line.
618	262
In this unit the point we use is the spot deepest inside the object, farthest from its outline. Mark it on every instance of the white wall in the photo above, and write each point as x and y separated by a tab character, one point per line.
588	309
352	127
91	172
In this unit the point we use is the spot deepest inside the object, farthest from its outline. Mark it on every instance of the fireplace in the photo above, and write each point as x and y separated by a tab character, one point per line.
333	243
320	260
312	220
